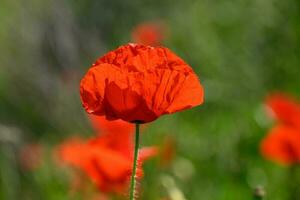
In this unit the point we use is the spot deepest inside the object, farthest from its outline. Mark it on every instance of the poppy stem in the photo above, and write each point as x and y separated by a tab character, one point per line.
135	158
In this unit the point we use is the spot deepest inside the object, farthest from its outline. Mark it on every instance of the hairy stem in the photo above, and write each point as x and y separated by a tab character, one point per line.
135	158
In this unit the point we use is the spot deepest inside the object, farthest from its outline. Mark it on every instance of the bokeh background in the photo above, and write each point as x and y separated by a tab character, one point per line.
241	49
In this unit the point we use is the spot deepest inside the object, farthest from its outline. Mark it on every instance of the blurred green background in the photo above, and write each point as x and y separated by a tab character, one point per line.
241	49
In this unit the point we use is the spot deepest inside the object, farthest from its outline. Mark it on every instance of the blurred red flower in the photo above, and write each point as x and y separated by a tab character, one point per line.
139	83
106	159
107	167
284	108
103	126
282	145
30	156
116	134
150	33
167	151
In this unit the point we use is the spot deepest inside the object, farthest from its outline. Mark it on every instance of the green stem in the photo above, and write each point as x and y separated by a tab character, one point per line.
135	158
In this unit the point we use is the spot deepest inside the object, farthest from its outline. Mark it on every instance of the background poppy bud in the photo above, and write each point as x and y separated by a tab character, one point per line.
149	33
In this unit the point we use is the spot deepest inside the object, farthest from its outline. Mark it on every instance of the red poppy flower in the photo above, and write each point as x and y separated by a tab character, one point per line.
103	126
167	151
107	159
285	109
282	145
108	168
139	83
118	133
151	33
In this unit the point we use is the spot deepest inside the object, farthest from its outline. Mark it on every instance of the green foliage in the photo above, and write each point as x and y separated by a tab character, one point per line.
241	49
